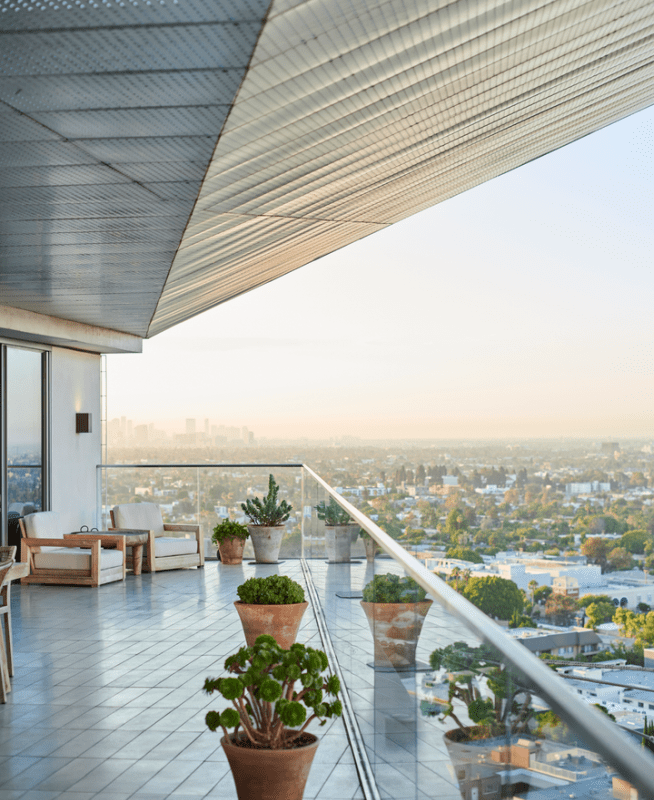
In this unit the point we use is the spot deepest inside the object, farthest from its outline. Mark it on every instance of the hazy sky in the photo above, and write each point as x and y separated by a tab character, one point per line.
520	308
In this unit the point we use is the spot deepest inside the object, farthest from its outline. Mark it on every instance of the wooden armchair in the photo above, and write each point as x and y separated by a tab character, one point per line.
161	552
78	562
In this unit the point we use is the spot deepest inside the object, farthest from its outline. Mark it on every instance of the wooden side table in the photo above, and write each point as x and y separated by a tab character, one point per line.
134	539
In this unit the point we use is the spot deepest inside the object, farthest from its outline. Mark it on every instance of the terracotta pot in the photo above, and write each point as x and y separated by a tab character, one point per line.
269	774
395	629
282	622
231	550
266	543
338	540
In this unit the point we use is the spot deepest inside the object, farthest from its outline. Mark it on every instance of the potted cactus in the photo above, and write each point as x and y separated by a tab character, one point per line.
340	533
273	605
270	756
267	518
396	609
229	537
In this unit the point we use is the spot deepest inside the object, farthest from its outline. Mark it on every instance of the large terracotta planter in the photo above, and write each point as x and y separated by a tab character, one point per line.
269	774
282	622
395	629
338	541
231	550
266	543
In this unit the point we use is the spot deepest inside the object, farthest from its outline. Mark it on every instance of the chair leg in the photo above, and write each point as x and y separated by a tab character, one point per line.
5	683
6	597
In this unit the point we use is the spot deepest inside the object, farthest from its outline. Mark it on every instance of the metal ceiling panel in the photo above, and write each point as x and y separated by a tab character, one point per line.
109	114
86	92
162	156
362	114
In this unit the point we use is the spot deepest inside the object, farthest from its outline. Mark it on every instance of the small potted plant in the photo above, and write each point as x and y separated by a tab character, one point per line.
271	755
267	518
272	605
229	537
396	609
339	530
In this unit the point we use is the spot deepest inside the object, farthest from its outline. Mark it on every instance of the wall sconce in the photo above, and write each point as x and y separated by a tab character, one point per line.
82	423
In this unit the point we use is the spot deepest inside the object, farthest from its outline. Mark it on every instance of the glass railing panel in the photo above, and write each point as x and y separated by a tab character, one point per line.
449	707
203	495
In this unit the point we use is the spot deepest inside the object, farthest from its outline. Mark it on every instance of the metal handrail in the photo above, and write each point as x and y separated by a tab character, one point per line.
595	728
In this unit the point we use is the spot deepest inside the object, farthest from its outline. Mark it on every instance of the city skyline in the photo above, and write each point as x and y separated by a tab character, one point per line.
517	309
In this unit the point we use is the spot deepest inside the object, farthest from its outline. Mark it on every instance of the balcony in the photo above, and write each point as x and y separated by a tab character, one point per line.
107	699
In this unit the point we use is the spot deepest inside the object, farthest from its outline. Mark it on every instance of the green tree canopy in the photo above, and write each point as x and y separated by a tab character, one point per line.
597	613
561	607
465	554
542	593
596	550
497	597
635	541
619	558
587	599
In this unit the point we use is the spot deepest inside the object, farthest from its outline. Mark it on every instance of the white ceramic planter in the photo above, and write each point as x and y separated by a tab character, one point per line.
266	543
338	539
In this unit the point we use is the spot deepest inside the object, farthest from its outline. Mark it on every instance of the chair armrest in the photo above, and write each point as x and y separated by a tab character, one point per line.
129	530
117	541
59	542
182	528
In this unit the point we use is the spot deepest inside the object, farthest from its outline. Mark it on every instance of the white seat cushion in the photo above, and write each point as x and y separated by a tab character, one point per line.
174	547
140	517
76	558
43	525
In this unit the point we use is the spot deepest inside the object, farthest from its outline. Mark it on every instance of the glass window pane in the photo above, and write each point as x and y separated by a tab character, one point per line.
24	430
24	407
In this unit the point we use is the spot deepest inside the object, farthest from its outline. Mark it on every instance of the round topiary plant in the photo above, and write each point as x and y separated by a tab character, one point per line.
391	588
266	705
275	590
228	529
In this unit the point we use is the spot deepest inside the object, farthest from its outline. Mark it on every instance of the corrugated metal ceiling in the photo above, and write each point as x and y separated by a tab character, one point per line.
351	116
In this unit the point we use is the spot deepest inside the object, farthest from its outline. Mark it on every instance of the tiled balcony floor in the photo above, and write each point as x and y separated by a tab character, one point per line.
107	699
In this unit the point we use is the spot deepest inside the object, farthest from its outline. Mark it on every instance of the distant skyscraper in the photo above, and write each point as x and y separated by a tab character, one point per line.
190	426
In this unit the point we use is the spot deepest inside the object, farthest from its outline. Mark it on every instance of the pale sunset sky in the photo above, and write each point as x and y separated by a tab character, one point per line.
522	307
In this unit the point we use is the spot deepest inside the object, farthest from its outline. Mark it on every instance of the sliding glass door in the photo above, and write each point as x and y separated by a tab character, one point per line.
23	435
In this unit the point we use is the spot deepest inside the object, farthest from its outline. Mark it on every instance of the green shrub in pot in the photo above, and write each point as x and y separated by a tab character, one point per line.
272	605
391	588
272	590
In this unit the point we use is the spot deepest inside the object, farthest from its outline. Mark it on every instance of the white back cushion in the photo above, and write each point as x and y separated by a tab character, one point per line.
139	516
43	525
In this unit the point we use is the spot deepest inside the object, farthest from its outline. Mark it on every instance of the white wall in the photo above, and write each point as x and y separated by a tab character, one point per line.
75	386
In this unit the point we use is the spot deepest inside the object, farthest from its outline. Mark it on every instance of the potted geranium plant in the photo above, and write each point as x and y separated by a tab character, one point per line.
396	609
340	532
271	755
267	518
272	605
229	537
